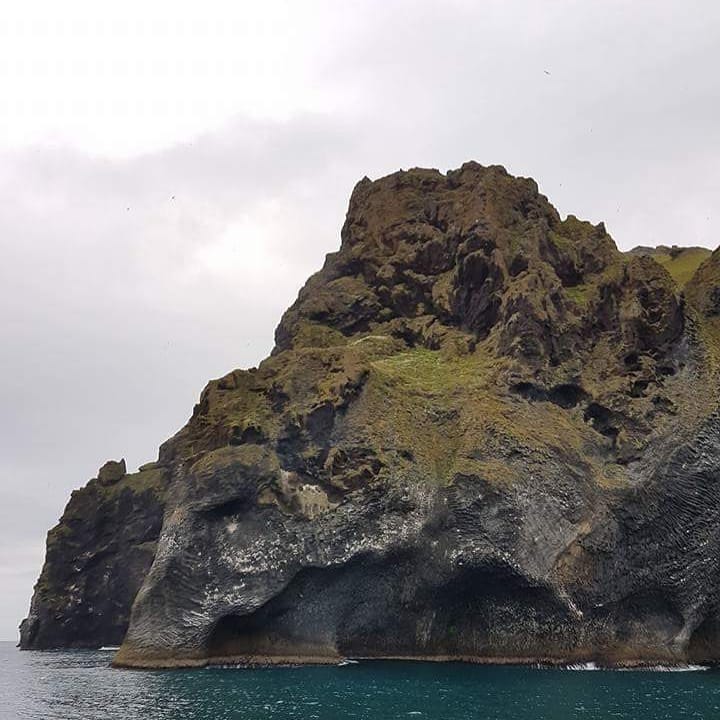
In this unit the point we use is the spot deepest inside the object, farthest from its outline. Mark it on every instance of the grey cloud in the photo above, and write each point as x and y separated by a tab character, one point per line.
111	326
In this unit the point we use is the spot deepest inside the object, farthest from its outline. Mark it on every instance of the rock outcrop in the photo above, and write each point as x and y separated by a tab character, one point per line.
484	433
96	559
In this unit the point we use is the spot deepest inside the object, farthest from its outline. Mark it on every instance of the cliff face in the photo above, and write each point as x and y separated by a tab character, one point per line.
96	559
483	433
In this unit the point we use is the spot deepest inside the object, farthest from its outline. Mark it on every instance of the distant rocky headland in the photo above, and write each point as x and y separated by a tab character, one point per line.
484	433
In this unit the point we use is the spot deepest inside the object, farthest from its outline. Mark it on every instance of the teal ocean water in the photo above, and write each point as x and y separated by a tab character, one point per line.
80	685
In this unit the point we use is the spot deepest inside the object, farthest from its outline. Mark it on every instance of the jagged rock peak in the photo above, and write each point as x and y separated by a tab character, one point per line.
111	472
434	259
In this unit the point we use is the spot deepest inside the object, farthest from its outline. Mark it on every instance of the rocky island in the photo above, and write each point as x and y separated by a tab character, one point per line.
484	433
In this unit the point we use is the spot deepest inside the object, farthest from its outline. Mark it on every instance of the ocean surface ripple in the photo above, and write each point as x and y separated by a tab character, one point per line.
80	685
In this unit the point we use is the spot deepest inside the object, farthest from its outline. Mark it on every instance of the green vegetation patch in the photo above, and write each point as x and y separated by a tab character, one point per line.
315	335
431	371
682	265
447	412
151	480
580	294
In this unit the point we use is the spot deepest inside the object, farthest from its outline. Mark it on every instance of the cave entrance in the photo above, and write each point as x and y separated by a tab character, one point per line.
236	635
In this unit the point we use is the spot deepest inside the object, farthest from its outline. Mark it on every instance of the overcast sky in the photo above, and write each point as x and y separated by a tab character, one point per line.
170	174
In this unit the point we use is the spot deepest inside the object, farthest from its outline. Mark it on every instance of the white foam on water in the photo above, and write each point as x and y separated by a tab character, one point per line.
109	648
668	668
590	666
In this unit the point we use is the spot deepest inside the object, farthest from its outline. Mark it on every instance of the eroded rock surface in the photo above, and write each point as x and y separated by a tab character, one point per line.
96	559
484	433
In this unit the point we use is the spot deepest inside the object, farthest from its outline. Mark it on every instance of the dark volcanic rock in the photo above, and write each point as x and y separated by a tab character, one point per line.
111	472
484	433
97	557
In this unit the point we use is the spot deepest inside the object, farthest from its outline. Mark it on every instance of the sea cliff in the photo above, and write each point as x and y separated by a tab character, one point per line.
484	433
